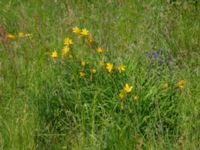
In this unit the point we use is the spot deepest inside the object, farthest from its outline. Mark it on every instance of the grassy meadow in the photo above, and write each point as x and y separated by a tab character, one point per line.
99	74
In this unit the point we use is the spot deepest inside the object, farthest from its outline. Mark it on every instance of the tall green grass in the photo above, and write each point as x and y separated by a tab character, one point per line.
46	105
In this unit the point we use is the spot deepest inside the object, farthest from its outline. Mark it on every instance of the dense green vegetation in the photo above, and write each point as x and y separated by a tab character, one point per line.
46	104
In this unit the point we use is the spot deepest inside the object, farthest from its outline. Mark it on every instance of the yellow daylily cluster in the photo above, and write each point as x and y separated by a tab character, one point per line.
88	70
110	67
65	50
83	33
19	35
180	84
88	36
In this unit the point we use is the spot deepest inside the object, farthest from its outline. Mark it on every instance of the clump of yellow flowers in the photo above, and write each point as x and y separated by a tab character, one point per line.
101	62
19	35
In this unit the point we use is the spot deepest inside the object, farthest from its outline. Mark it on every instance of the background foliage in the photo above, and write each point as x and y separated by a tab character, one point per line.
46	105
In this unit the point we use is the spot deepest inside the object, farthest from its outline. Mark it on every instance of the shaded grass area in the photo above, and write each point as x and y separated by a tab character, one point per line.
46	105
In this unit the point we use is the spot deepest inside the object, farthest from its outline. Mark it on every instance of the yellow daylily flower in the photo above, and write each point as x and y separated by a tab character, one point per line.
165	85
121	68
93	70
76	30
99	50
84	32
11	36
54	54
21	34
109	67
127	88
82	74
68	41
181	84
65	51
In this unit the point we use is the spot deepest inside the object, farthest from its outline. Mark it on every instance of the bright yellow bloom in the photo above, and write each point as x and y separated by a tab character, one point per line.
11	36
84	32
54	54
21	34
121	68
93	70
181	84
127	88
68	41
82	74
109	67
76	30
165	85
99	50
65	51
121	95
135	97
